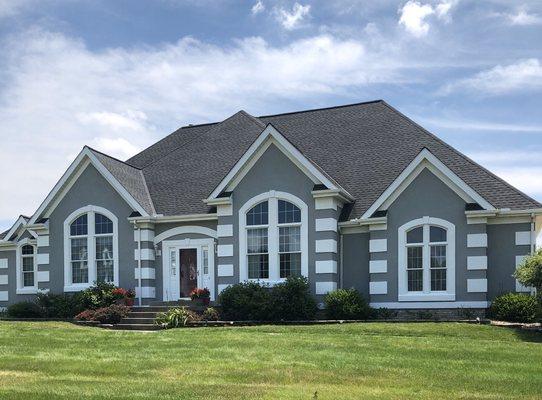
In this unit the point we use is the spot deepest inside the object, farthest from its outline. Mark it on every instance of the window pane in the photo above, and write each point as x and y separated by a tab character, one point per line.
103	225
257	240
28	279
79	272
437	234
205	261
414	257
290	265
438	256
289	239
28	264
104	248
79	227
104	271
79	249
415	280
259	214
415	268
438	279
27	249
288	213
258	266
415	235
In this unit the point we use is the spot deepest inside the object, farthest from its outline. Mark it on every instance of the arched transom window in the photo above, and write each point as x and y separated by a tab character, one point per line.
91	248
427	260
273	238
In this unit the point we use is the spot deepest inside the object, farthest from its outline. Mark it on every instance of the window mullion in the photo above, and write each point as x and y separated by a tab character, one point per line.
426	261
91	243
273	240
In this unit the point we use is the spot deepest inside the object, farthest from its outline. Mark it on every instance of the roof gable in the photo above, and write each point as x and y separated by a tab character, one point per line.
21	221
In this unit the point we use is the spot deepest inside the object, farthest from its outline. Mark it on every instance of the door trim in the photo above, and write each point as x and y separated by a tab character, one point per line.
177	245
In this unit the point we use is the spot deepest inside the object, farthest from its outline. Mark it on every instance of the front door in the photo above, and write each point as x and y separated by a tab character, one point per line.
188	271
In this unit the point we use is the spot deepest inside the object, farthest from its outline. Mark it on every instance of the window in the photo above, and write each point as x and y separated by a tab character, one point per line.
273	237
426	260
28	266
91	248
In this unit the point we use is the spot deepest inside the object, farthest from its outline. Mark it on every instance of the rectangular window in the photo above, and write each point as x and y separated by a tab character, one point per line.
79	260
415	268
290	251
28	271
438	268
258	257
104	259
205	261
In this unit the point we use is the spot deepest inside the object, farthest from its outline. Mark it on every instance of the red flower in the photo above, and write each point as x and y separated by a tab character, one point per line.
200	293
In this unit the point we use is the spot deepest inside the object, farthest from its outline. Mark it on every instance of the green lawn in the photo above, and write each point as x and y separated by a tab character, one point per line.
353	361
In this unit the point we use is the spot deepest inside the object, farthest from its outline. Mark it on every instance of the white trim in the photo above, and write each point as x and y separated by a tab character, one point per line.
444	173
509	219
326	246
523	238
66	179
91	247
325	287
519	260
14	228
476	285
378	245
146	254
353	229
225	269
476	240
326	267
426	294
43	241
225	250
221	287
224	230
147	235
326	225
146	273
325	203
20	289
476	220
3	263
378	266
147	292
4	296
378	287
42	258
3	279
273	197
183	230
224	210
167	219
378	227
476	262
431	305
43	276
519	287
268	137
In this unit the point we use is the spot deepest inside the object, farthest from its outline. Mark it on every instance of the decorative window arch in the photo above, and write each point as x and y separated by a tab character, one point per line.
273	237
91	248
27	267
426	260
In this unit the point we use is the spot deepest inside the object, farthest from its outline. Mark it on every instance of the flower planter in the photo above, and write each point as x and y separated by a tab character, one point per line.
203	301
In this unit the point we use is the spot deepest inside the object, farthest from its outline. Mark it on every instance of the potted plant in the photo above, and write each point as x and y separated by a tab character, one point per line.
202	296
123	296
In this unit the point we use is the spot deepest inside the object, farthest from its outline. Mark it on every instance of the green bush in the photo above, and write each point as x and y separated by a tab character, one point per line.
98	296
529	272
515	307
111	314
245	301
25	309
59	305
210	314
346	304
383	313
176	317
292	300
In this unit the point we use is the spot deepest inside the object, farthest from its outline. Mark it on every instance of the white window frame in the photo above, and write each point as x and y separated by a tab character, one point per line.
19	268
427	294
273	235
91	211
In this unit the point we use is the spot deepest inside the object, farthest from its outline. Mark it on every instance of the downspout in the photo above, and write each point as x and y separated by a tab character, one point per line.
139	299
533	231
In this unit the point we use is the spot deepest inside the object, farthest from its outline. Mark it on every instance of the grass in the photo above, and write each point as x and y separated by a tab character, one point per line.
50	360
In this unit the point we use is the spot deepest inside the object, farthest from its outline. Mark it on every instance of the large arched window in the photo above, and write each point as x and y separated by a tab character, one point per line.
273	237
91	248
427	260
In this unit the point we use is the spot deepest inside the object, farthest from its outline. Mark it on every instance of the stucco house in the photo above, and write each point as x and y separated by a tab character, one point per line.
350	196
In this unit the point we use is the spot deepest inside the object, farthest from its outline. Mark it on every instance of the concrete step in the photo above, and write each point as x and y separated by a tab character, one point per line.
159	309
143	314
134	320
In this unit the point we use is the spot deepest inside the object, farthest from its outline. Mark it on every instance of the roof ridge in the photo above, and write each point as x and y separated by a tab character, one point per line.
153	209
111	157
323	108
468	159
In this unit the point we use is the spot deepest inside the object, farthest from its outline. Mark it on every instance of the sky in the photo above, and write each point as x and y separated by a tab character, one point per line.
118	75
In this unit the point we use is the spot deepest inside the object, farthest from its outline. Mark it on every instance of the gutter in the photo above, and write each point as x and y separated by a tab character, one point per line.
158	219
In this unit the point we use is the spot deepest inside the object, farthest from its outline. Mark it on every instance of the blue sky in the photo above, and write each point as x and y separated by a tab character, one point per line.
119	75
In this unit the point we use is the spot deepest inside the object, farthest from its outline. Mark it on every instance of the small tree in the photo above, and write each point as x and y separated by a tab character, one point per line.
529	272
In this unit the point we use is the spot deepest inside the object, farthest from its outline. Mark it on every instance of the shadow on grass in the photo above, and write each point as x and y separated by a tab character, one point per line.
528	335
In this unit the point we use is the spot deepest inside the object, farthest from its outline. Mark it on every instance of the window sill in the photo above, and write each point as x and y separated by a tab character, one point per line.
427	297
27	291
76	288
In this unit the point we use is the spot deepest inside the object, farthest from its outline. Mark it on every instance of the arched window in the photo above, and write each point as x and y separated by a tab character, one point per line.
27	267
273	237
91	248
427	260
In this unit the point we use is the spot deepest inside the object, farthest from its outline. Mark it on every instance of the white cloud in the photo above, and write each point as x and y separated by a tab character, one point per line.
258	7
414	16
470	126
293	19
12	7
522	75
522	17
526	179
117	122
117	147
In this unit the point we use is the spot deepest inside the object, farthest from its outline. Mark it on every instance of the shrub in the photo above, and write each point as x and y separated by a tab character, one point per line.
102	295
383	313
87	315
210	314
529	272
292	300
346	304
59	305
112	314
176	317
25	309
515	307
245	301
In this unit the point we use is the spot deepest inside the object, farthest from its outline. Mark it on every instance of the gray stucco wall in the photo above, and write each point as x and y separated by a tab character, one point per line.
11	287
356	262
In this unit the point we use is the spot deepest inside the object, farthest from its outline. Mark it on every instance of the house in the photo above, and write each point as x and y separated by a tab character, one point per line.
350	196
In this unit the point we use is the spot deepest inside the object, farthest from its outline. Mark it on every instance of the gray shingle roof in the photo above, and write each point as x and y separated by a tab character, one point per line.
363	147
